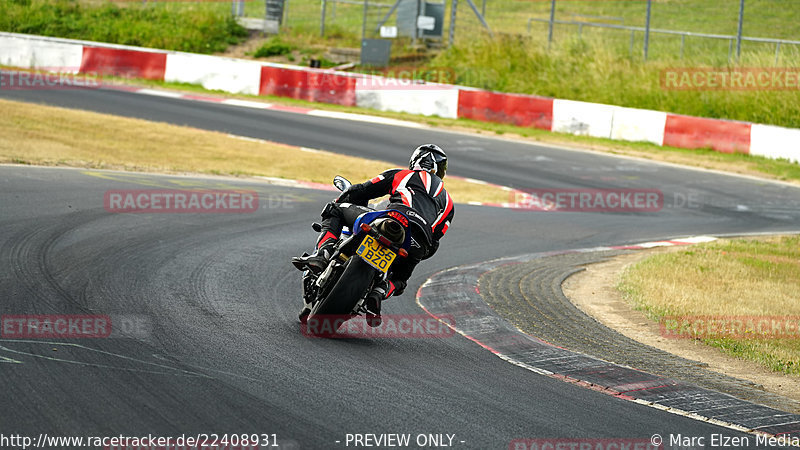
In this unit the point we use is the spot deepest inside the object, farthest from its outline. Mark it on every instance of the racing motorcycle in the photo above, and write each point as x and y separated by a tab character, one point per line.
361	259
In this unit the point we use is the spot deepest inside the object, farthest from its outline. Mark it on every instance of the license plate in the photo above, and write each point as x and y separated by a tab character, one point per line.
375	254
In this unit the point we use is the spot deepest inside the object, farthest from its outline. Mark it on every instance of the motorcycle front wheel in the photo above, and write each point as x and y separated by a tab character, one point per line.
332	311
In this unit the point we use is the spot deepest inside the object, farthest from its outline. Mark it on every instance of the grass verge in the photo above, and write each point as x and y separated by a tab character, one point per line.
187	27
45	135
594	71
754	277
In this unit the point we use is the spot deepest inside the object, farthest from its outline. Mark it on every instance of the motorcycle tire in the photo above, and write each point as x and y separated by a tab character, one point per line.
340	301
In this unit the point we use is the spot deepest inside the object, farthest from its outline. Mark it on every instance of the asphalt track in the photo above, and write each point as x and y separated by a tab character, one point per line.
221	351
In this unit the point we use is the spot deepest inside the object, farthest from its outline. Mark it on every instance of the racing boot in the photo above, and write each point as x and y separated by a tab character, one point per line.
377	295
373	304
318	261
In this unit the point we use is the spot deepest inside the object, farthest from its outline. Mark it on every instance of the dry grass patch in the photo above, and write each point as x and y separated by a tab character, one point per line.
739	277
45	135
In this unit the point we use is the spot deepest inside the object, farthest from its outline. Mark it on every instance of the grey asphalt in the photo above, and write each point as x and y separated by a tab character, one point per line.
222	351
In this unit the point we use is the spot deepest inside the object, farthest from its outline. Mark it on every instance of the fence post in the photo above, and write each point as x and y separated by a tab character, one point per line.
630	51
683	43
364	23
322	19
453	8
552	22
739	33
647	29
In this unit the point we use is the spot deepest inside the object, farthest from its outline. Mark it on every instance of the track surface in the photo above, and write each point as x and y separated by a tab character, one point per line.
223	352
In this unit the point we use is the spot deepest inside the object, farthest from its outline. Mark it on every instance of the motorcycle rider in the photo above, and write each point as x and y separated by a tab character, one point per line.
418	192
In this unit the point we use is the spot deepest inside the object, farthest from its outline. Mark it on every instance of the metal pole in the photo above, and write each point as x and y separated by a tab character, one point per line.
479	16
777	51
322	19
730	49
483	8
739	33
630	51
364	23
416	24
388	14
552	20
683	43
647	29
453	8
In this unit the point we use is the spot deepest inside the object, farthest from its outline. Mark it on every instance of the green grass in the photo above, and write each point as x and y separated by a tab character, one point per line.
187	27
731	278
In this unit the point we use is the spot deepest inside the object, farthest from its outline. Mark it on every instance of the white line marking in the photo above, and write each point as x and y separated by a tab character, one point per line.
246	103
158	93
473	180
364	118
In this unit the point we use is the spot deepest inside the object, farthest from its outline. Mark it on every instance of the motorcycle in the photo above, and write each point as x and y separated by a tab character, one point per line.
361	259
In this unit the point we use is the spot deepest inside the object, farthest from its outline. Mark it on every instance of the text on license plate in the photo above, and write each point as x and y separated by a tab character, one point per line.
375	254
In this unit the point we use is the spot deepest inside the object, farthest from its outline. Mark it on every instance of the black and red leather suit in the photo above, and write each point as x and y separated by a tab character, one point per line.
420	195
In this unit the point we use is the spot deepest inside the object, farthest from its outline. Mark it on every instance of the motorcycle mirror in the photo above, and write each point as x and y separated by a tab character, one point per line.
341	183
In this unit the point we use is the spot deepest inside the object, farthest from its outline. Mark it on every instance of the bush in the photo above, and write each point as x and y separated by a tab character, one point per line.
273	47
182	27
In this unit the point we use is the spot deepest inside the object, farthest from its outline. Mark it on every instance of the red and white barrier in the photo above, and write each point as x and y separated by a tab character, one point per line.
36	52
213	72
386	94
124	62
638	125
314	85
409	96
696	132
775	142
583	119
515	109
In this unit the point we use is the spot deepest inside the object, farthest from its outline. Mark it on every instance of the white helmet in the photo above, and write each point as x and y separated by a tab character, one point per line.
429	157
